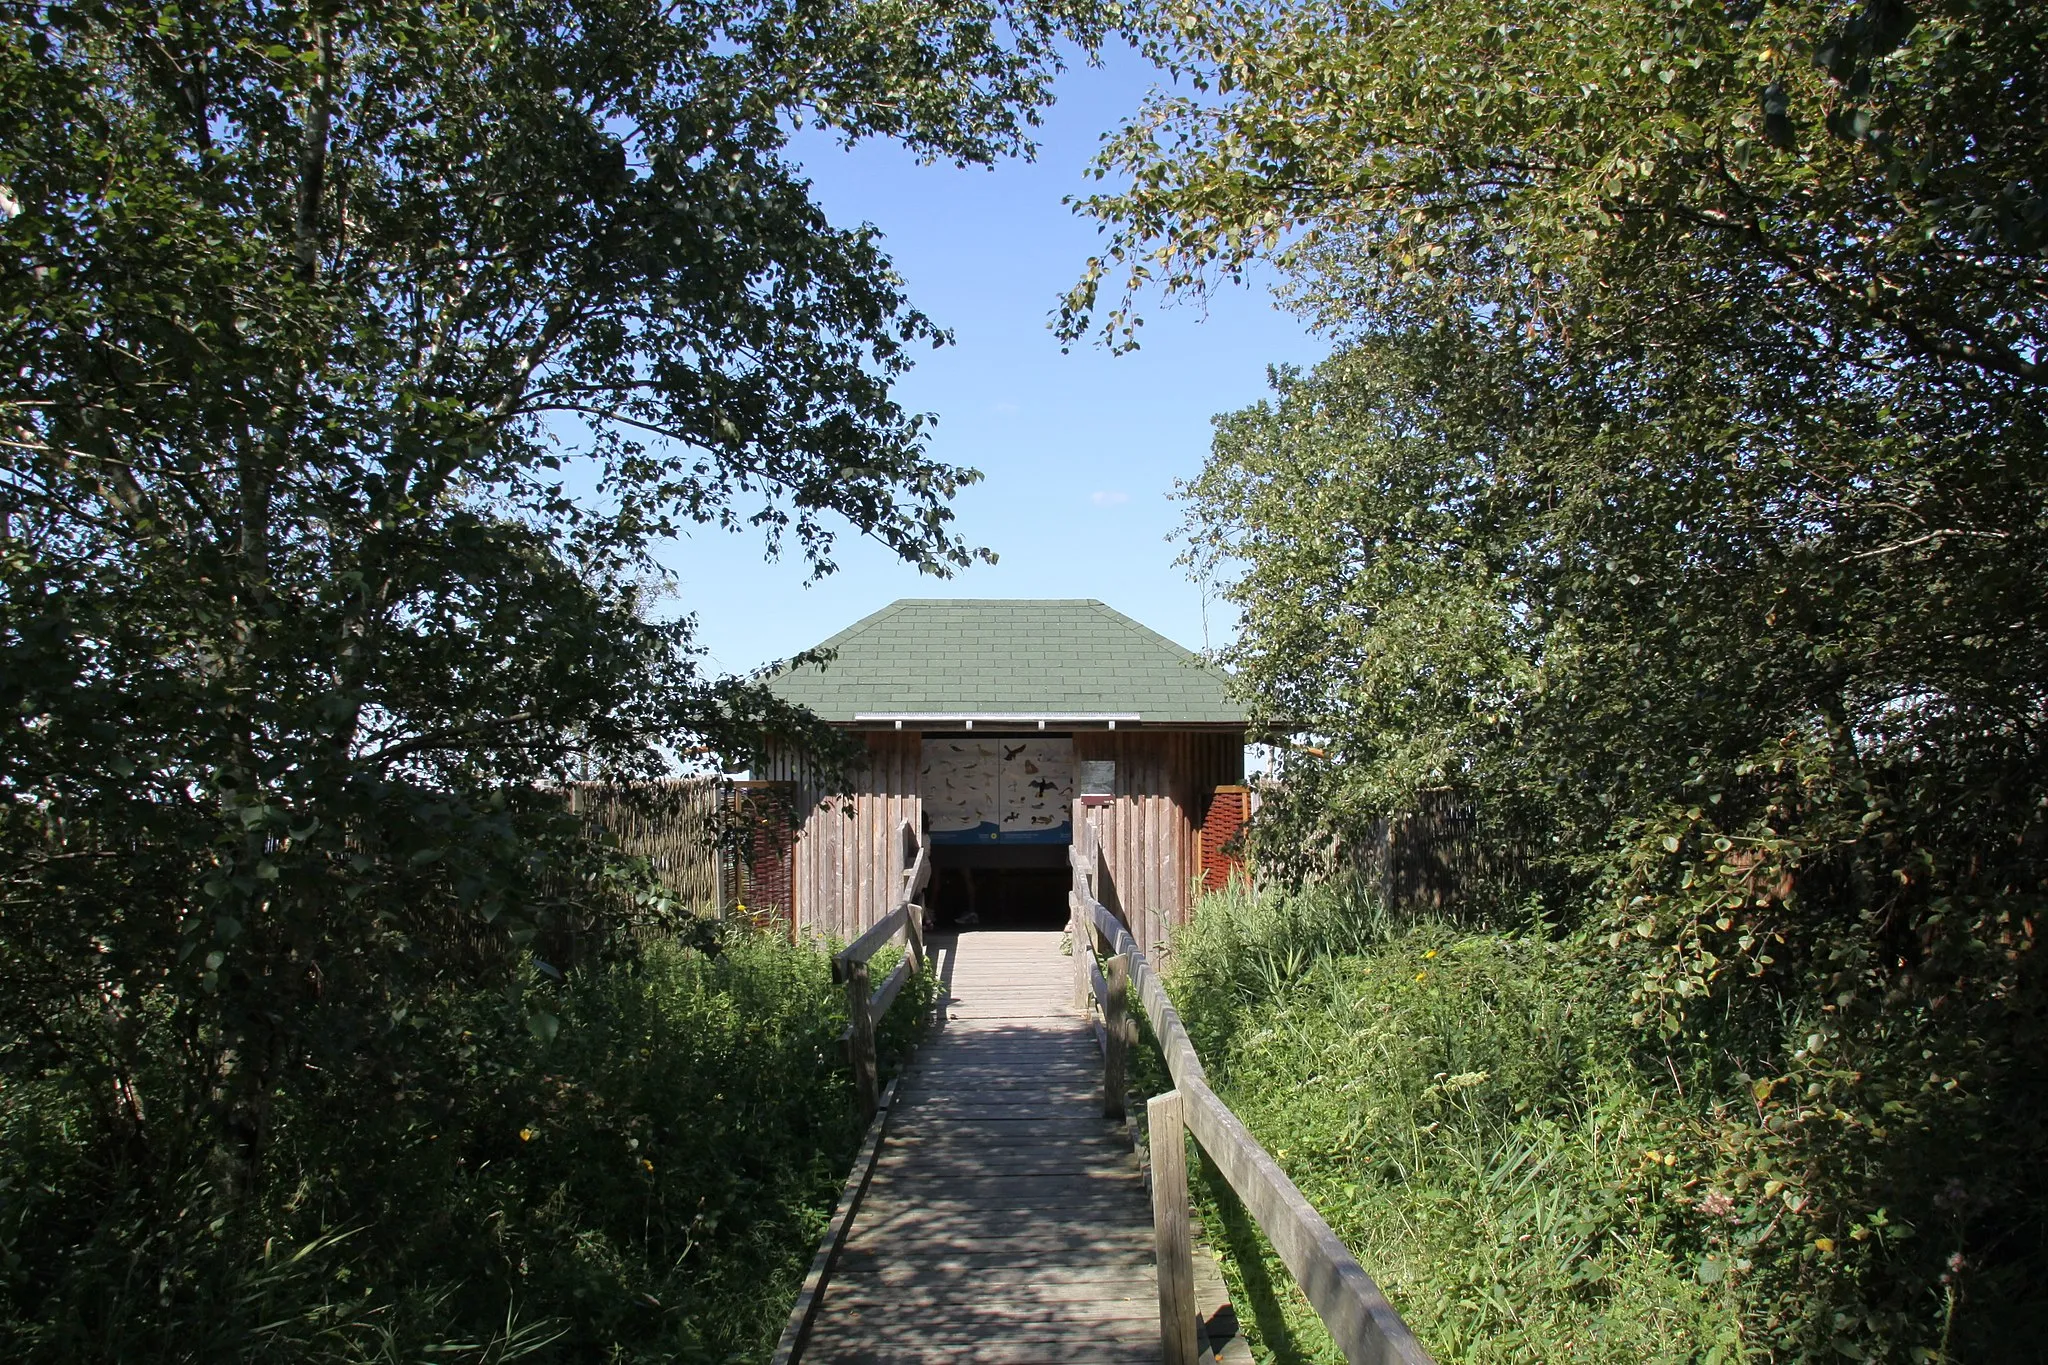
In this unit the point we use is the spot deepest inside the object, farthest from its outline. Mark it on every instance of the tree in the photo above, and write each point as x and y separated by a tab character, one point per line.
309	579
1676	498
1857	174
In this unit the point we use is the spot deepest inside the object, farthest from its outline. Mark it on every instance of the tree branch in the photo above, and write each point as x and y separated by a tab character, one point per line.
1922	540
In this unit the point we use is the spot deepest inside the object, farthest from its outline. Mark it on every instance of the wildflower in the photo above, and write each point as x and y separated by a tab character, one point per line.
526	1134
1430	953
1715	1204
646	1165
1420	975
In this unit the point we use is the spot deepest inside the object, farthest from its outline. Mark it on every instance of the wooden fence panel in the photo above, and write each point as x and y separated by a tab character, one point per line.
673	824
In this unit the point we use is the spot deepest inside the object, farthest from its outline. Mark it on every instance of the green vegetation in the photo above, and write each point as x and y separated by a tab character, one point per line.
358	359
1672	516
646	1185
1477	1118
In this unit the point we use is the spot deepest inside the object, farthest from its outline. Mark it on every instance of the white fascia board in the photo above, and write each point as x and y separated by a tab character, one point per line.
994	717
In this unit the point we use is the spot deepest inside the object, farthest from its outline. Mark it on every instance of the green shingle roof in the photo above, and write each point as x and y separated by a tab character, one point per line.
993	656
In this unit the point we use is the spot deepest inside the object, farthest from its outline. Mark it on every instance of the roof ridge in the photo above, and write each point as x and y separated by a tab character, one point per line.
872	618
1138	627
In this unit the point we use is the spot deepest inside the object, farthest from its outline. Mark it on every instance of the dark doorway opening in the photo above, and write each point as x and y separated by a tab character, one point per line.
1019	887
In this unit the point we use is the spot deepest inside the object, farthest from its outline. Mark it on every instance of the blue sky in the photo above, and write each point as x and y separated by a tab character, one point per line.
1080	451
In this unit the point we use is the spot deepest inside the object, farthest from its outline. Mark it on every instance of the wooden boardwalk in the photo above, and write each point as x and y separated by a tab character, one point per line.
1006	1220
994	1215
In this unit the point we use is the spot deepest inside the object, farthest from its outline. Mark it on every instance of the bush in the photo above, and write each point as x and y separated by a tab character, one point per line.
644	1181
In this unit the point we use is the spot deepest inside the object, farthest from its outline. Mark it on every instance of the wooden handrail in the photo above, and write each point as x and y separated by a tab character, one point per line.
917	870
1181	1059
885	994
876	937
1359	1318
864	1007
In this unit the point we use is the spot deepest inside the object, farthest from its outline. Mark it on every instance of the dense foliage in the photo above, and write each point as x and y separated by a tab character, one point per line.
356	357
1674	506
647	1186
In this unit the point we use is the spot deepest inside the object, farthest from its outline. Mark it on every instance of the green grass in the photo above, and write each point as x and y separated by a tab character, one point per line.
1536	1172
646	1186
1461	1108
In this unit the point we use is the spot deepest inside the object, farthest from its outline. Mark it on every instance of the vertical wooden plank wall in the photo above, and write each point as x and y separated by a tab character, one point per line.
1152	833
845	874
846	866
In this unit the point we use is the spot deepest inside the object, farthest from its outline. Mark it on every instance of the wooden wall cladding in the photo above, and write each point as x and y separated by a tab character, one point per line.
1150	834
846	863
847	860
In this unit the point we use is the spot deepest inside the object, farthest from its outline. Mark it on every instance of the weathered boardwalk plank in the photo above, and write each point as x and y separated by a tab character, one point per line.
1006	1220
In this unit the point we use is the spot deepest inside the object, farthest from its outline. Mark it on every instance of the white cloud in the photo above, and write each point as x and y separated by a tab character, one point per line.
1107	499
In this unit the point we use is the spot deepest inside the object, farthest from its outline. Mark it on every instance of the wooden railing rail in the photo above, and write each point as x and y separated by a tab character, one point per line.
865	1005
1359	1318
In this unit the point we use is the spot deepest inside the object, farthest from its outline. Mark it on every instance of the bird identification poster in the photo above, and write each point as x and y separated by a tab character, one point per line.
996	790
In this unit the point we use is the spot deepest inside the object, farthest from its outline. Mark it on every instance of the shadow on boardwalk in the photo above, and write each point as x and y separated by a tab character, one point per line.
1006	1221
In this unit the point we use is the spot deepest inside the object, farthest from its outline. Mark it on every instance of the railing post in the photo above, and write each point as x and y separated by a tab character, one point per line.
1079	897
1172	1242
860	1043
1118	1028
1077	915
